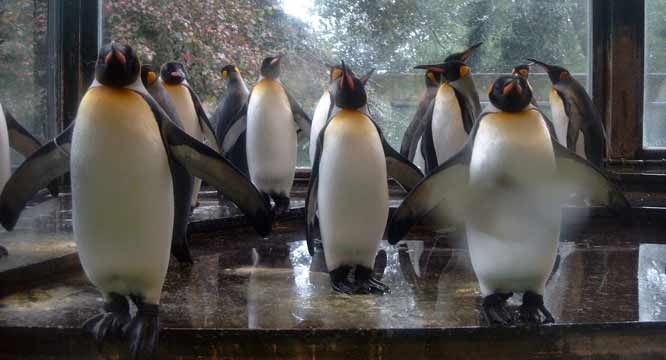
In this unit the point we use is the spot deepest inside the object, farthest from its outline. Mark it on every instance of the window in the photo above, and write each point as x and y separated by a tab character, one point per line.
654	124
392	37
23	59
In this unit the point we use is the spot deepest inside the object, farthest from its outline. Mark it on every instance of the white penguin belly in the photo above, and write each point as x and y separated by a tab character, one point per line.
5	159
318	121
448	131
122	192
182	99
271	138
560	118
513	234
352	192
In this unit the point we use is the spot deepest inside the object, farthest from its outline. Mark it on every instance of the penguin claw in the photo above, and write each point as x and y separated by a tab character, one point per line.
3	252
533	311
143	332
495	310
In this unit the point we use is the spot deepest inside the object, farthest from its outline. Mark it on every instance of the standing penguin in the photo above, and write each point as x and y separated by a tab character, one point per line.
274	119
508	185
323	110
574	115
121	150
150	80
523	71
450	116
411	140
192	115
348	189
230	117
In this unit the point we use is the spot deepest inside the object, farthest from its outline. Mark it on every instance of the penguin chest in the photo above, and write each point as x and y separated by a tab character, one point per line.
271	138
5	160
318	121
352	191
122	193
182	100
448	131
513	229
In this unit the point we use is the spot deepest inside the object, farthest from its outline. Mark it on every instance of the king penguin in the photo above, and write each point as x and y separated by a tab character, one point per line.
230	118
274	120
15	136
576	120
150	80
348	189
192	114
121	149
450	115
322	110
523	70
508	185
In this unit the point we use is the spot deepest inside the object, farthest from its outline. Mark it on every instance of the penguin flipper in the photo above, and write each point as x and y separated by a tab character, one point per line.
584	178
468	116
428	142
237	128
445	183
206	127
311	199
37	171
302	119
397	167
20	139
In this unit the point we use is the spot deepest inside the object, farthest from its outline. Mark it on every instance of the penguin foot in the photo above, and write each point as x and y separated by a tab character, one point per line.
495	310
3	251
340	280
143	331
110	323
54	188
281	204
533	311
367	284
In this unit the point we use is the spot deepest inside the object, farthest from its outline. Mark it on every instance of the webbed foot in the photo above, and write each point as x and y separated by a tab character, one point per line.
367	284
533	311
281	204
495	309
110	323
143	331
340	280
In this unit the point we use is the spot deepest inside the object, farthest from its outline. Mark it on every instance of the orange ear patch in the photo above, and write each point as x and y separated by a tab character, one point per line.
336	73
464	71
431	76
152	76
564	75
523	72
225	74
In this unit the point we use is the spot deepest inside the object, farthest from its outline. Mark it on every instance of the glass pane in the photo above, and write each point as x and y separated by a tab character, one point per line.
23	64
654	124
391	36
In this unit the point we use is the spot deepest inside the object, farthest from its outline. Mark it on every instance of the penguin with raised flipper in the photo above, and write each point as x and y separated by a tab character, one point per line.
576	120
348	190
230	118
450	115
508	185
192	114
121	151
323	110
274	121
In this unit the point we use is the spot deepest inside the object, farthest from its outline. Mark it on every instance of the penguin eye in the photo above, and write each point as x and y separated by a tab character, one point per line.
523	72
464	70
564	75
335	74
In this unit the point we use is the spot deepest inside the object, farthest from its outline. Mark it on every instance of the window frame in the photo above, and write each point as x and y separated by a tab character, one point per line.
617	68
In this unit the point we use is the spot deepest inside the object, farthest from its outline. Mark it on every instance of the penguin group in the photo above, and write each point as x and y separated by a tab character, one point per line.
141	144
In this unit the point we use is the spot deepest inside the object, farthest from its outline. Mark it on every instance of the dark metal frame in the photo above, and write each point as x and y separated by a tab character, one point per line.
618	46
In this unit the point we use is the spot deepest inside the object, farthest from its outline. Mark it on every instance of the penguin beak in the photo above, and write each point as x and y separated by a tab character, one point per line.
542	64
433	68
346	78
508	88
176	75
115	53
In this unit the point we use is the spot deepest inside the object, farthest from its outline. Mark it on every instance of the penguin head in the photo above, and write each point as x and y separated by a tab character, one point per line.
449	71
522	70
173	73
270	67
117	65
336	71
148	75
349	91
510	93
555	73
229	70
463	56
